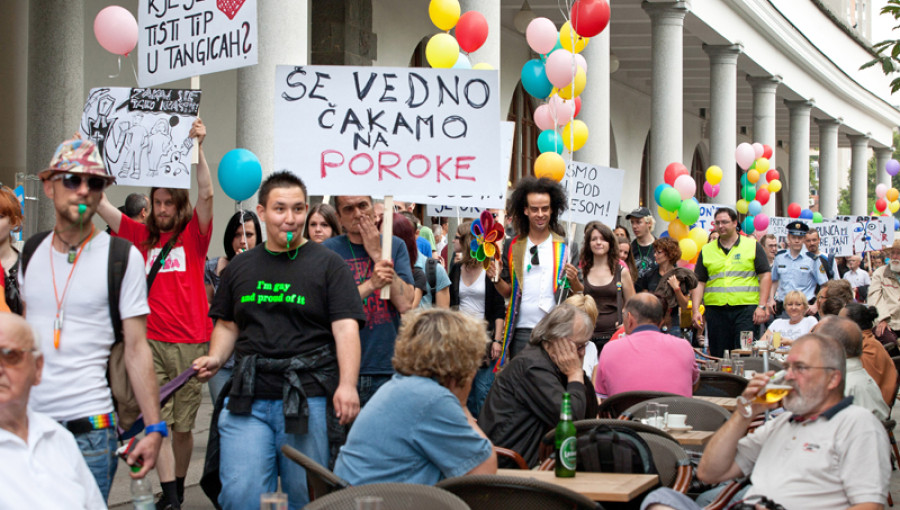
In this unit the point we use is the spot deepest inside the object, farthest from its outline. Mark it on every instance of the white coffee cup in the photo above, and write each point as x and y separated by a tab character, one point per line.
678	421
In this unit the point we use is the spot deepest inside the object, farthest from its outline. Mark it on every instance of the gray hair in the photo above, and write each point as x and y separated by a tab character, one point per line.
560	323
832	353
845	331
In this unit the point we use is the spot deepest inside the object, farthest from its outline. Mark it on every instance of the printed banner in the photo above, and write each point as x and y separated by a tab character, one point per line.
193	37
143	133
388	131
843	235
594	193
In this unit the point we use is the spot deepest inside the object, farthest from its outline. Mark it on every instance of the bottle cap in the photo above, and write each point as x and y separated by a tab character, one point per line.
135	468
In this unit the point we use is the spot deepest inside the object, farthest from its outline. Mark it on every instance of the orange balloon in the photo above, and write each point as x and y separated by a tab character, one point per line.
550	165
677	230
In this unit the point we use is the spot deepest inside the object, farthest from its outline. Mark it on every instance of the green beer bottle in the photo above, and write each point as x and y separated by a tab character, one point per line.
565	440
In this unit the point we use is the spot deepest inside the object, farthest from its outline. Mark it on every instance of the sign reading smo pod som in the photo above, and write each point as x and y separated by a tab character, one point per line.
388	131
593	193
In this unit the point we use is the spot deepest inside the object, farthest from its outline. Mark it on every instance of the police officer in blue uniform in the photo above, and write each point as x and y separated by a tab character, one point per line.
795	269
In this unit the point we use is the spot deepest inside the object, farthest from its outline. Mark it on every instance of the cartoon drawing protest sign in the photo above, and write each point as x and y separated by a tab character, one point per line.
388	131
143	133
193	37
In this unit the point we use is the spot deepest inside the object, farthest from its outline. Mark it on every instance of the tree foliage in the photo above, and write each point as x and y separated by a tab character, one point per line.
888	50
872	180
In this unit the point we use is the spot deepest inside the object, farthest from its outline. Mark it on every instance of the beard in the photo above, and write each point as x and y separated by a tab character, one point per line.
895	266
801	403
165	224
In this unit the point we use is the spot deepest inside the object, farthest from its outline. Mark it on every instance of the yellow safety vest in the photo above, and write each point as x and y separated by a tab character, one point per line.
732	278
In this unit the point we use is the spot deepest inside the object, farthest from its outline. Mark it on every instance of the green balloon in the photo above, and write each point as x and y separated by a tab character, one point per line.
670	199
689	212
817	217
749	193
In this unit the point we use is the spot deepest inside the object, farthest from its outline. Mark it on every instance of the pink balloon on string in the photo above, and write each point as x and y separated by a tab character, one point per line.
543	117
881	190
581	62
758	150
562	110
710	190
541	35
116	30
744	155
761	221
559	66
686	186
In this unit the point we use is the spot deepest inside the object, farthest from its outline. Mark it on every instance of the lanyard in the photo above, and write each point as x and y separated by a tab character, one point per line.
58	321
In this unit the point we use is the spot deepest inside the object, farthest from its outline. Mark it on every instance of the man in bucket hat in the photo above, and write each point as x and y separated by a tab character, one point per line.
73	323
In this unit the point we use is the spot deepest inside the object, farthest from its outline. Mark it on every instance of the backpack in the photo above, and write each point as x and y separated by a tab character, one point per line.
614	449
124	401
431	275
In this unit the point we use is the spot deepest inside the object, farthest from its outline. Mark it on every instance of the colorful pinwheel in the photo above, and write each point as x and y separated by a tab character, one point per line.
488	235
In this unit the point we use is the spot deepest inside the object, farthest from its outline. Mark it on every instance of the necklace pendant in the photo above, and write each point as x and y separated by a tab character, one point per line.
72	254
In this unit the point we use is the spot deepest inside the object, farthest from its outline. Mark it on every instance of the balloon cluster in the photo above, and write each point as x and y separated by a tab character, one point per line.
471	30
795	211
488	234
116	30
559	77
754	160
677	205
886	200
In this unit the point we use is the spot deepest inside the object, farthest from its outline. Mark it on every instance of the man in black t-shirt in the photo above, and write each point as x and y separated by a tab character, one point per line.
642	245
289	311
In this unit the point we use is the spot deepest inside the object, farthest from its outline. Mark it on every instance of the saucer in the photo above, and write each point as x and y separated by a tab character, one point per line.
686	428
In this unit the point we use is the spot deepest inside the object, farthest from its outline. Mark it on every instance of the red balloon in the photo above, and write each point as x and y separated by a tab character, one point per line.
673	171
881	204
577	106
794	210
767	152
772	175
762	195
589	17
471	31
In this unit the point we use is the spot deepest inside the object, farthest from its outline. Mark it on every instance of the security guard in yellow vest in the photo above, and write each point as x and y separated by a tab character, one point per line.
735	276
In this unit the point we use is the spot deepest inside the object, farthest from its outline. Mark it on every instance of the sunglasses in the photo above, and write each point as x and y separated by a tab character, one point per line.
73	182
535	261
12	357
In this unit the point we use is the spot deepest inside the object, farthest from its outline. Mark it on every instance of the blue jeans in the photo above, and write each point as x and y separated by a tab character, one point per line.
99	450
484	378
217	381
250	453
368	385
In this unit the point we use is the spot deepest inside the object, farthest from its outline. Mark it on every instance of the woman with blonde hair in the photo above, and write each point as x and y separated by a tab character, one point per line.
424	431
587	305
797	324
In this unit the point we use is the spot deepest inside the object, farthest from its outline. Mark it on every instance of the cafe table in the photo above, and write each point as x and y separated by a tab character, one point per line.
691	437
726	402
612	487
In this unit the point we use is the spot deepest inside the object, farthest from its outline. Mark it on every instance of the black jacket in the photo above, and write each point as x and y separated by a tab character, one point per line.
494	305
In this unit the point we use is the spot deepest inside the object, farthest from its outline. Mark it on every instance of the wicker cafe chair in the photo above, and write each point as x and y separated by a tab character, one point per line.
395	496
701	415
613	406
545	452
319	480
493	492
720	384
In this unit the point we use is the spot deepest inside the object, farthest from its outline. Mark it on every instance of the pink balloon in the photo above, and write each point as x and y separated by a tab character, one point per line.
744	155
543	118
761	221
581	62
710	190
541	35
560	67
685	264
758	150
686	186
881	190
116	30
562	110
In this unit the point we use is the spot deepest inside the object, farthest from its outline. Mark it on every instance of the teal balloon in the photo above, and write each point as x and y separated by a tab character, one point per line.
670	199
550	141
240	174
754	208
534	79
748	193
689	212
744	181
658	192
817	217
748	226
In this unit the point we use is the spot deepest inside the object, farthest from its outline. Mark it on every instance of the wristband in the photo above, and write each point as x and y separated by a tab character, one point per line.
157	427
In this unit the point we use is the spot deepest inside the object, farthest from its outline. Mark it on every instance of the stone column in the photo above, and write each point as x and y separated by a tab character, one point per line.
489	52
280	43
828	166
667	98
55	91
882	156
859	182
723	116
798	187
764	88
342	33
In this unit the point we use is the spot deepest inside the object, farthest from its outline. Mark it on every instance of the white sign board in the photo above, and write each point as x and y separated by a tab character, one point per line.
451	211
184	38
843	235
707	213
388	131
870	233
143	133
593	193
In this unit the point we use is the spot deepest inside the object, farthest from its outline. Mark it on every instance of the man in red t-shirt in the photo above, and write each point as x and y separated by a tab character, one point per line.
178	327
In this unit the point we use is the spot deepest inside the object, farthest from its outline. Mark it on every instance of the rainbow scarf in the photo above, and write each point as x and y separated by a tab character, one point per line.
515	260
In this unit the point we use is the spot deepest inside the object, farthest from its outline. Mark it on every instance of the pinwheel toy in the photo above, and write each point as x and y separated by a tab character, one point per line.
488	234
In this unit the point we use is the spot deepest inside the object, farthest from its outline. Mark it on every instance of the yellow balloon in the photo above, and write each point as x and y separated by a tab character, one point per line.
741	206
774	186
566	92
677	230
444	13
894	206
483	66
442	51
762	165
892	195
699	236
752	176
570	40
550	165
575	135
666	215
688	248
713	175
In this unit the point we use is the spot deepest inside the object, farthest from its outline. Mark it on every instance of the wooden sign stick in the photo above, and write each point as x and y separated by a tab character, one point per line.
387	234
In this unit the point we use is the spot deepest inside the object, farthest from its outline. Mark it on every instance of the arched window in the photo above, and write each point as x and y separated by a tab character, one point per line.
698	171
525	151
644	198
